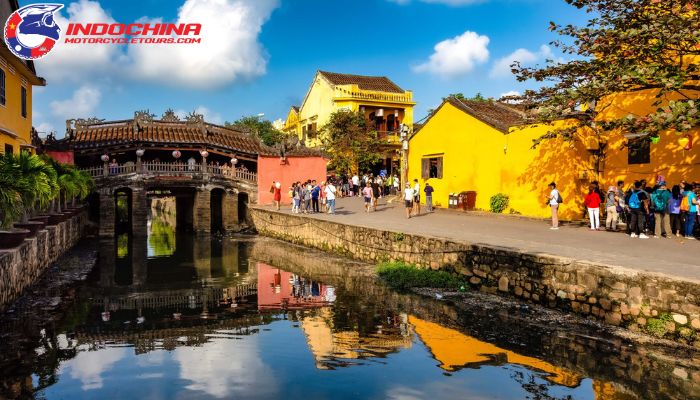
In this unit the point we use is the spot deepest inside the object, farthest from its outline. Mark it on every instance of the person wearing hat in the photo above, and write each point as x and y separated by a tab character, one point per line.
662	222
611	203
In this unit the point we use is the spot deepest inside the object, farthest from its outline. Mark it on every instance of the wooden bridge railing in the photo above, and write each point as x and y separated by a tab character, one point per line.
171	169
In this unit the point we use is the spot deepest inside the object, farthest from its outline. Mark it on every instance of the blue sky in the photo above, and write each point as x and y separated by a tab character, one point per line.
259	56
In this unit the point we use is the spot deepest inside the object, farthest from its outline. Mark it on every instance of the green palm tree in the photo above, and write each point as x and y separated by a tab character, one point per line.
11	189
40	180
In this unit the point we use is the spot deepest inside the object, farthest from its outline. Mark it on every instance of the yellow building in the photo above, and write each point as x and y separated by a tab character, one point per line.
385	105
16	80
485	147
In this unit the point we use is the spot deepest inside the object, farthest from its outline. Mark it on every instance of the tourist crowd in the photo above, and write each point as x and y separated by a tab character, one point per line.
646	210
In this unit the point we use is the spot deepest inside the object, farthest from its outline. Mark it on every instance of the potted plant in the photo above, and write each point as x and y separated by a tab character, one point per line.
11	207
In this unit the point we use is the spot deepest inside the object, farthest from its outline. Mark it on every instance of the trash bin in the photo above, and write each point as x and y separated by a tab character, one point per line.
467	200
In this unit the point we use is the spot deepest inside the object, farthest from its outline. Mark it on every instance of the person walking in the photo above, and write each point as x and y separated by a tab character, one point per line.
416	197
662	223
592	202
297	197
322	195
396	184
428	196
306	195
277	194
376	193
315	192
355	185
689	202
408	197
367	195
621	209
330	197
553	200
674	209
611	204
637	201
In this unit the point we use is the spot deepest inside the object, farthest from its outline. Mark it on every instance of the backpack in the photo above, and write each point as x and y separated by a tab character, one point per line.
633	201
685	203
658	199
559	198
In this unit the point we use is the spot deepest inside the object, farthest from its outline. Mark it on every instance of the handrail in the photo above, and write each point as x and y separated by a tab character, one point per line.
171	169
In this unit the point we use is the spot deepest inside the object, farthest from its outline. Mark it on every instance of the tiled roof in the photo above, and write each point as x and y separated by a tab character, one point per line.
296	109
182	134
500	116
376	83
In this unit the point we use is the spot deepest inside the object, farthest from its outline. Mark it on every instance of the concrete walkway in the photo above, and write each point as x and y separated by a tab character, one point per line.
674	257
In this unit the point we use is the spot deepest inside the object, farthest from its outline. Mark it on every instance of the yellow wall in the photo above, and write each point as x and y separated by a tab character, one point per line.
14	129
478	157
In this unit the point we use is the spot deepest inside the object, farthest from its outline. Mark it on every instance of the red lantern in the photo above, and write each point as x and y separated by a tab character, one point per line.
176	154
105	157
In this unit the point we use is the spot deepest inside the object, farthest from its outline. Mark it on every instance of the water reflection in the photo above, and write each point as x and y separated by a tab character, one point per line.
225	318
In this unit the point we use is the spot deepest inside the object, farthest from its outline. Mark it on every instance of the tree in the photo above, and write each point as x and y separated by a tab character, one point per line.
350	142
460	96
259	128
648	47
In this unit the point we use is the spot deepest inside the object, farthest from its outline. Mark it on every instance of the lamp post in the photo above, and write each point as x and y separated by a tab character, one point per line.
405	130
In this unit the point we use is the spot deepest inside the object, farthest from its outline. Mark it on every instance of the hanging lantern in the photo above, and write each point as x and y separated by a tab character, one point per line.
234	160
204	153
139	152
105	157
686	142
655	139
176	154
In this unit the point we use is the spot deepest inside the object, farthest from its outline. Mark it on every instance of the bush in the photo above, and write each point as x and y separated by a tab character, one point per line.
402	276
499	202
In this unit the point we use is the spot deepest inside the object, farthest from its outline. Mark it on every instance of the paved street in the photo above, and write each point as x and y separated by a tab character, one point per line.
673	257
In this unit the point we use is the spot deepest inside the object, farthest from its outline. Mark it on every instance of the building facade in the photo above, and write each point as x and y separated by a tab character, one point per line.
485	147
386	107
16	80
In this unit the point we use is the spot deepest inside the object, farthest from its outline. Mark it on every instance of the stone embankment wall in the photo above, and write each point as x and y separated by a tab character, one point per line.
21	266
618	296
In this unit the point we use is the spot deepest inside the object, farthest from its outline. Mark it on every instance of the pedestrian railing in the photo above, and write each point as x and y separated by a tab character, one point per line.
171	169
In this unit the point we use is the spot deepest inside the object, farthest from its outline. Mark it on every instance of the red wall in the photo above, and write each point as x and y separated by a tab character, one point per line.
65	157
296	169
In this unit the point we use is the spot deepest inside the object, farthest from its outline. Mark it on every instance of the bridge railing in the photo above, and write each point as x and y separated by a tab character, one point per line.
171	169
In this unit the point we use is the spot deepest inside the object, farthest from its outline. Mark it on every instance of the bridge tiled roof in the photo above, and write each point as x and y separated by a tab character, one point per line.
161	133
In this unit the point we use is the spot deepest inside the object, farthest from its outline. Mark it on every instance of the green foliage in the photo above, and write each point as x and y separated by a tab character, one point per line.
499	202
352	145
513	211
259	128
398	236
402	276
657	326
162	237
626	46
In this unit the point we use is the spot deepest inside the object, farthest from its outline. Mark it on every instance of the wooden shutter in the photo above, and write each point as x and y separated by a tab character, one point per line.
439	167
425	168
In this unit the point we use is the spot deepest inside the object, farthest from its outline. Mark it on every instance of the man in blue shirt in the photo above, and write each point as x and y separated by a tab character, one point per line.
692	211
428	196
315	192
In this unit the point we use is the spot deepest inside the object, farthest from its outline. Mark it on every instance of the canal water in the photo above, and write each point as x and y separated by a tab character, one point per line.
178	317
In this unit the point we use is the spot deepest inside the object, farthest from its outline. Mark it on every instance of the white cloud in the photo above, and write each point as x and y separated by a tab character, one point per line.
510	93
501	67
457	56
88	366
74	61
82	104
44	128
229	50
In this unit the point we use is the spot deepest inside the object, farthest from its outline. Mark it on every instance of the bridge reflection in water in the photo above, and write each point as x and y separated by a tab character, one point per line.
254	318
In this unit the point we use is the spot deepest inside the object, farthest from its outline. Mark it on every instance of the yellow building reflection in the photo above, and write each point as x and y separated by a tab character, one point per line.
455	350
331	349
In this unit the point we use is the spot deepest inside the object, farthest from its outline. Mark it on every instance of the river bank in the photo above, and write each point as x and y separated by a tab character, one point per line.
638	300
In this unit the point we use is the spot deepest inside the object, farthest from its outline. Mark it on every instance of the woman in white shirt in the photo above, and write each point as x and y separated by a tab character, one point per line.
408	199
553	201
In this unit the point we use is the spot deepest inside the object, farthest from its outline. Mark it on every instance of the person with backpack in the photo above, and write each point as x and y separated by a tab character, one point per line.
637	202
689	205
592	202
553	200
662	223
